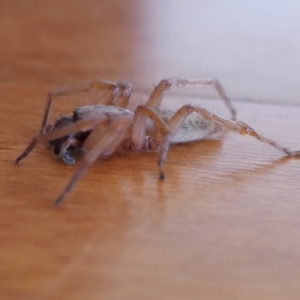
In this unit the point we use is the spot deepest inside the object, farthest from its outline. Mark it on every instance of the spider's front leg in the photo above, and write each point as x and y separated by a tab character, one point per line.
118	94
82	125
106	143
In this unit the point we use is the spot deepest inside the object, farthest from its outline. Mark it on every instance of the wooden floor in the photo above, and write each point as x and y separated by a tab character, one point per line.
225	224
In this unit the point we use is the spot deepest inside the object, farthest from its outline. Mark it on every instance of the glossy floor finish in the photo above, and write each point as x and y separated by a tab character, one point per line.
225	222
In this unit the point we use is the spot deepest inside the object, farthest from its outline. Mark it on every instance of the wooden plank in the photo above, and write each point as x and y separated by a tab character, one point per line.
224	223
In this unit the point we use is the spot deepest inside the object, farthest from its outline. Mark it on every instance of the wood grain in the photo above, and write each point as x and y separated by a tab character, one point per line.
225	222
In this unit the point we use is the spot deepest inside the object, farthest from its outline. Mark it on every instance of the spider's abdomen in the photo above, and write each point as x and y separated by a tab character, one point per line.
193	127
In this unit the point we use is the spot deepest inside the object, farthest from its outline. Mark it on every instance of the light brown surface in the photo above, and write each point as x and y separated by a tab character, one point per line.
224	224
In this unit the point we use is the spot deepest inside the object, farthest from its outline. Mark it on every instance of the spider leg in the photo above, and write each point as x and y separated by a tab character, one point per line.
109	141
119	89
143	142
158	92
124	95
83	125
139	131
99	130
238	127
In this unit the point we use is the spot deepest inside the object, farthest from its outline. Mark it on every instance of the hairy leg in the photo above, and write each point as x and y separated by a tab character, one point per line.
119	89
142	142
124	94
114	135
238	127
158	93
83	125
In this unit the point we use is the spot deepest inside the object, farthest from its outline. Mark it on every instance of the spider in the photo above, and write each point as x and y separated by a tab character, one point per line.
99	130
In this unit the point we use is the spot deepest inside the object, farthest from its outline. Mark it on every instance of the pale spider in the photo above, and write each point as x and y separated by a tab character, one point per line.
99	130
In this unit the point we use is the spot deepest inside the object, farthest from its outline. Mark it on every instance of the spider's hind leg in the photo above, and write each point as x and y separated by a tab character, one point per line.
238	127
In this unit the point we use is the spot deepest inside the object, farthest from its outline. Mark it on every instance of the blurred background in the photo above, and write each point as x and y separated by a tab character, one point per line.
251	46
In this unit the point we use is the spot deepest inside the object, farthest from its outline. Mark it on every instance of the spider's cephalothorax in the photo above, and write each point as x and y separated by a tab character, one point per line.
99	130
